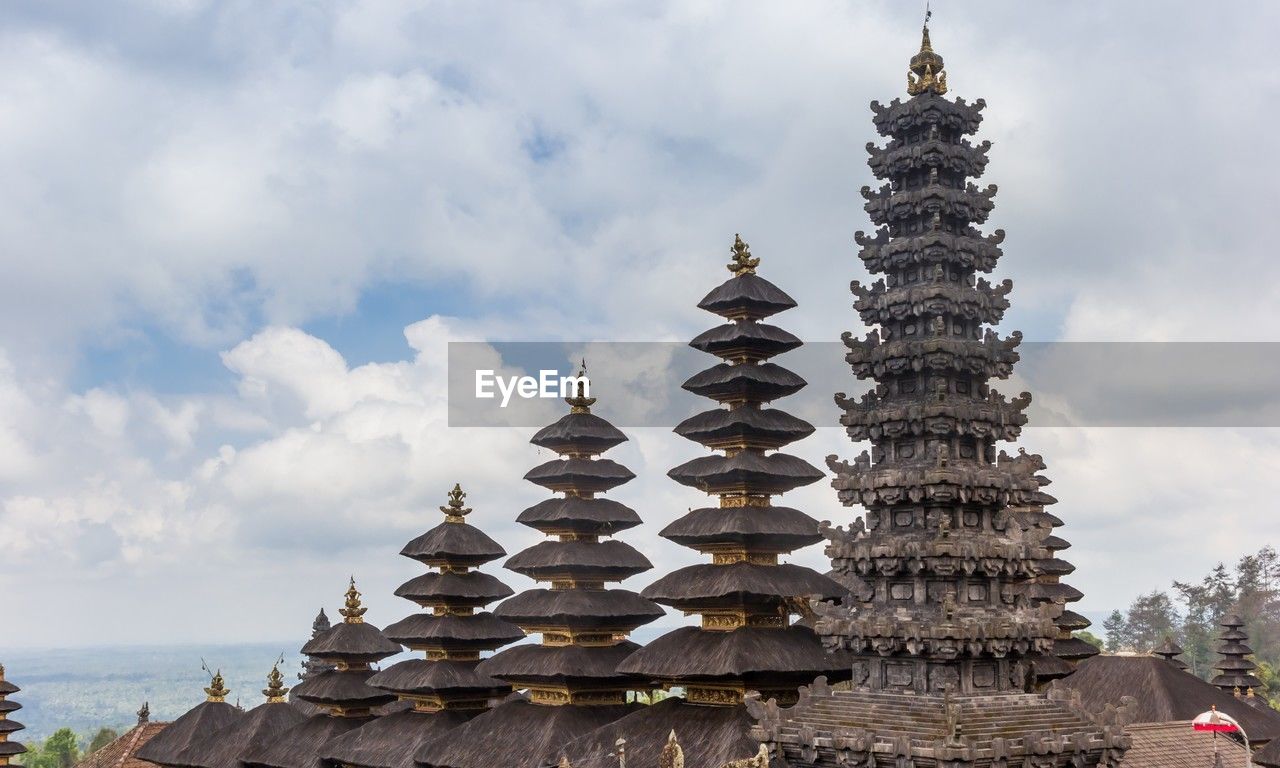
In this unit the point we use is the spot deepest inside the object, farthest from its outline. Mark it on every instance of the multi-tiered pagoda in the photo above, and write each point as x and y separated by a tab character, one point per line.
8	748
344	693
745	597
174	745
571	677
443	690
1170	651
256	729
948	616
1235	669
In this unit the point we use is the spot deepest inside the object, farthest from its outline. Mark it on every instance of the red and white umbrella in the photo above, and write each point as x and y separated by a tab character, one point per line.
1215	721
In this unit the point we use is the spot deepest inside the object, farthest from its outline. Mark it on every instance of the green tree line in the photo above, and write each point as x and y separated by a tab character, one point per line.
1190	614
64	748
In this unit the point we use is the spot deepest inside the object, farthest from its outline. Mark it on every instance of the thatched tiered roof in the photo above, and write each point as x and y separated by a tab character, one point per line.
173	745
8	748
256	729
571	677
1234	667
443	690
343	692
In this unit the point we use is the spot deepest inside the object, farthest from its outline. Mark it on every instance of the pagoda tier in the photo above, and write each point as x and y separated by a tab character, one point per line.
443	690
312	667
343	693
571	677
8	748
1235	669
955	583
257	728
1170	651
176	744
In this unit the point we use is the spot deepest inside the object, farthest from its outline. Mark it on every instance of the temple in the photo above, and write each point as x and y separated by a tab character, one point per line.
172	745
256	729
571	679
1235	670
442	690
745	598
950	623
9	749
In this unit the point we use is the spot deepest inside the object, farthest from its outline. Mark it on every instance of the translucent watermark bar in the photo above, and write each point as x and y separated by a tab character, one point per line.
1073	384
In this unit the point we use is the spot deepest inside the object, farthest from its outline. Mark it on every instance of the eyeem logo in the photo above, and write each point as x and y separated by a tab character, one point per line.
548	384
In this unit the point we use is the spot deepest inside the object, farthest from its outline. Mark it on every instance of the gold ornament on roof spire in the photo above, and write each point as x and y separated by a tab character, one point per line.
353	612
926	72
217	690
454	511
275	690
742	263
579	402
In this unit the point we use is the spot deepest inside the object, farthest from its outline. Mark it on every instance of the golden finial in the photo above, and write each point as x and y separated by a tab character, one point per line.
1	672
353	611
926	66
217	690
275	690
742	262
672	755
579	402
453	511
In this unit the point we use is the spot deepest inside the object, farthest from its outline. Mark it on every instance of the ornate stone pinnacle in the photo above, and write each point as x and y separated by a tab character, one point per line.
217	690
579	402
454	511
353	612
925	73
742	262
144	714
672	755
275	690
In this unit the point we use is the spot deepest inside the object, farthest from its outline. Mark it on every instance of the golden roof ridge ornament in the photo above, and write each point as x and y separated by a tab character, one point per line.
217	690
353	612
454	511
742	262
275	690
925	73
579	402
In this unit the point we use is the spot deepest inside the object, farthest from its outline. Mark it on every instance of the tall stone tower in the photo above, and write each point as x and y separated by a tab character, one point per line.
952	608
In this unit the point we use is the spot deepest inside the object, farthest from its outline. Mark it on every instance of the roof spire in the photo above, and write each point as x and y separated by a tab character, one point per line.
353	611
580	402
454	511
217	690
925	73
742	262
275	690
144	714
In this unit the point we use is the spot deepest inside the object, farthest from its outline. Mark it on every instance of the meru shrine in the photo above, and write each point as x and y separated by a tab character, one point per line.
941	637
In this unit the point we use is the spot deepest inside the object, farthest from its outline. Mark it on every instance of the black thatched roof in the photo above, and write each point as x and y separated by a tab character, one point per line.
169	747
579	608
259	727
422	677
7	687
746	472
1163	693
578	515
346	688
471	589
478	631
691	653
11	748
739	584
300	746
584	475
531	663
747	295
353	642
762	529
452	543
1073	648
747	339
579	433
749	425
391	741
761	383
608	560
712	736
516	734
1268	756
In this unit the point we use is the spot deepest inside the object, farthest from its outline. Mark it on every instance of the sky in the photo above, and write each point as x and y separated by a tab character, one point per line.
236	239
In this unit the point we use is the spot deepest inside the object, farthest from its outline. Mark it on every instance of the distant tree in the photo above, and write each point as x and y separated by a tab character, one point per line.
1205	603
1151	617
62	748
1116	631
102	738
1089	638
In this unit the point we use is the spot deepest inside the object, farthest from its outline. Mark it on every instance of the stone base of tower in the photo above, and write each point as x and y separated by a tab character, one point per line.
887	730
